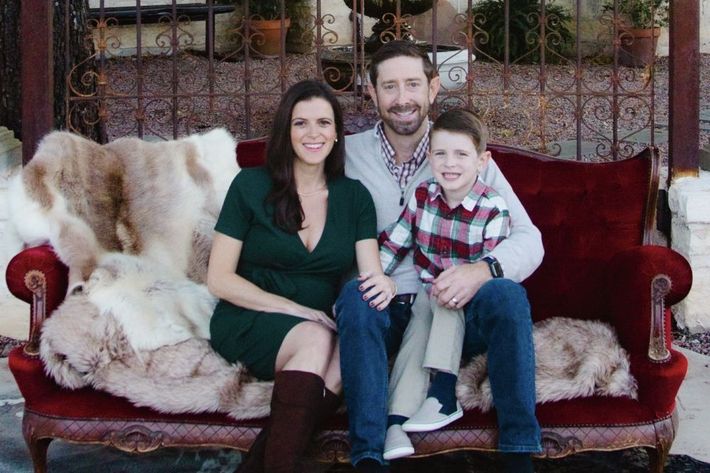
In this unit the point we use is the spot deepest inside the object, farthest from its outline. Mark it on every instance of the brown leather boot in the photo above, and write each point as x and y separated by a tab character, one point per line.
254	459
295	404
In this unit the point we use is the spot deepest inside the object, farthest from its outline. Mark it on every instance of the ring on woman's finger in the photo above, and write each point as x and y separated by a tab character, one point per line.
454	301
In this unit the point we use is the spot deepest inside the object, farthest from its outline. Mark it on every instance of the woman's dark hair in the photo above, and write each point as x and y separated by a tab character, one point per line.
288	214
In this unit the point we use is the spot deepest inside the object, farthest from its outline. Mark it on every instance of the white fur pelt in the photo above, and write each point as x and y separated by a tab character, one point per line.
159	200
80	347
573	358
153	308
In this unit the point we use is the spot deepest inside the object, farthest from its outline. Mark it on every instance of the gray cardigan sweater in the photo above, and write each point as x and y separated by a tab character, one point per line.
519	254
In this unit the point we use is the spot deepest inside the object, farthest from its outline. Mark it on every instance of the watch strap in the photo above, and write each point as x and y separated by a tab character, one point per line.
494	266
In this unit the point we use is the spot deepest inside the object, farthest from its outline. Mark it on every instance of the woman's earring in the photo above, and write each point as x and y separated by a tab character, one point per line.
336	139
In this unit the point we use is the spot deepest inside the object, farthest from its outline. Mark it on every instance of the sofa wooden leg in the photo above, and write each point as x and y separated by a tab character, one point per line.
657	458
38	452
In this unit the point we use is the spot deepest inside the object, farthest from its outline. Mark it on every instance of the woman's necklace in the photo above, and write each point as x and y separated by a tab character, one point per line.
308	194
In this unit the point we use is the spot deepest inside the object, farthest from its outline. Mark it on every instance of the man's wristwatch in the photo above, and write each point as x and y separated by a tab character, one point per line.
494	266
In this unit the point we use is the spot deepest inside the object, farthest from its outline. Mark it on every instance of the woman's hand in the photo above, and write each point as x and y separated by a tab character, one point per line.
314	315
377	289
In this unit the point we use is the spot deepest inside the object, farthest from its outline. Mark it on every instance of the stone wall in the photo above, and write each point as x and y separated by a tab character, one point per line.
10	163
689	200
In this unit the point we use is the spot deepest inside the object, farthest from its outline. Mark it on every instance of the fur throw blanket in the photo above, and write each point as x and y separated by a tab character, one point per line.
81	346
159	200
133	221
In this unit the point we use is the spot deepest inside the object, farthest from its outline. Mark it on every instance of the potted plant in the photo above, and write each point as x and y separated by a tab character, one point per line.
640	27
265	25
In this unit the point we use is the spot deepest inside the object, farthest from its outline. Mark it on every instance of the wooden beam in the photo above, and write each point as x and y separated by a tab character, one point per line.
684	89
37	74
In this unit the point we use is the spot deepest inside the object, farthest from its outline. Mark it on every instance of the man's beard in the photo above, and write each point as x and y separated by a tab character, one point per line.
404	128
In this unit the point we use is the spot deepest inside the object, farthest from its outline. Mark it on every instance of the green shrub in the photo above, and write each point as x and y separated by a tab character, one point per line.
524	31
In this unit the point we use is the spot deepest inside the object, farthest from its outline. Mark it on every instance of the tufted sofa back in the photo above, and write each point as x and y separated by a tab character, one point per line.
587	212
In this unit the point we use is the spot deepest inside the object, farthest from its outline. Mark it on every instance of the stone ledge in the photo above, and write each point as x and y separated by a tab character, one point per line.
689	201
10	163
10	152
689	198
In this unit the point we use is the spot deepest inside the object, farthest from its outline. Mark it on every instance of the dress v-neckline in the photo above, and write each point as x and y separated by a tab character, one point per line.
325	227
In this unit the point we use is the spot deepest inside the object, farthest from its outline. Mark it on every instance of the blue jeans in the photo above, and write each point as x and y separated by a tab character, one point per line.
366	338
497	321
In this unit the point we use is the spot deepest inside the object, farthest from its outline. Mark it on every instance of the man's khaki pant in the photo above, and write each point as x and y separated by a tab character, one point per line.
432	340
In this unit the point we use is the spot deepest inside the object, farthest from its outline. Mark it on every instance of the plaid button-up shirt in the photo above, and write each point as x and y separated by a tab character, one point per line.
404	172
442	237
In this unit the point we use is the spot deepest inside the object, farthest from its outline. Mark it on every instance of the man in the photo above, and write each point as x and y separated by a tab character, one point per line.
390	160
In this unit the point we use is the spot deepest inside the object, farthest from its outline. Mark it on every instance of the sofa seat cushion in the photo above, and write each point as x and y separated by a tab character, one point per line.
42	395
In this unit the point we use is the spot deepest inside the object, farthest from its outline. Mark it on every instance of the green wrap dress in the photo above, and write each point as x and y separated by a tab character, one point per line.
279	262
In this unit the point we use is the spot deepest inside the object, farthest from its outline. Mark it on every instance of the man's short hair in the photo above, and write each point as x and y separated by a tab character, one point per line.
461	120
397	48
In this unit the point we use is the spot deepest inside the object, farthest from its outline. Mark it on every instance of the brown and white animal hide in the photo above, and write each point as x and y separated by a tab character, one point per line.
573	358
81	347
159	200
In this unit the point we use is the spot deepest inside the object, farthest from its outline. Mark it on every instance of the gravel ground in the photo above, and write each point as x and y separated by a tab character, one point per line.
517	114
519	117
698	342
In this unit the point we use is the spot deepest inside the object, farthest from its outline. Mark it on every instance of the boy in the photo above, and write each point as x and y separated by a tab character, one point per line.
451	219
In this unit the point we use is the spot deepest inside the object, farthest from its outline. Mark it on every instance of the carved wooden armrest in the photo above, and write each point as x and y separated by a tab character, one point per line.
642	282
657	349
36	282
35	275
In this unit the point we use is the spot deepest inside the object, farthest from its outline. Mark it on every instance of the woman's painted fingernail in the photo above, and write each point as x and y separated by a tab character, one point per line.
372	304
364	298
362	288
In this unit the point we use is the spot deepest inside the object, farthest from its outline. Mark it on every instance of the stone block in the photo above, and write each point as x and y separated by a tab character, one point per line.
690	240
691	313
689	198
10	163
10	153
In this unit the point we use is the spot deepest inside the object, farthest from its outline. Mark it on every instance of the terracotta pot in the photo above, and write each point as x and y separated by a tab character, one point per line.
637	46
270	43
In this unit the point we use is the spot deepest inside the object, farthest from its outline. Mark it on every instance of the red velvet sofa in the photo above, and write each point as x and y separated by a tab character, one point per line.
596	221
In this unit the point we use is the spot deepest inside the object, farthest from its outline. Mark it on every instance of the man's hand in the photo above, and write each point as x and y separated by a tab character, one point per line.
456	286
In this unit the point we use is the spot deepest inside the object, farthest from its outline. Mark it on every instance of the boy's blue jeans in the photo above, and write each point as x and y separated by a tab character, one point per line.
497	321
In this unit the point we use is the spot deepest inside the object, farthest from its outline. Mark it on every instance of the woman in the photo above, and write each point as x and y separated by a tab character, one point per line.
291	230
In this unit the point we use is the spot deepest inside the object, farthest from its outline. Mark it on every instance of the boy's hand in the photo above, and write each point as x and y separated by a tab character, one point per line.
456	286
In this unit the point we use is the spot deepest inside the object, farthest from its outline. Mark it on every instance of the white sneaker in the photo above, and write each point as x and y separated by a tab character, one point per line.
429	417
397	443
